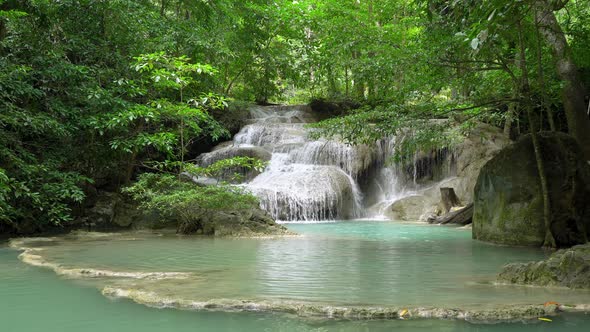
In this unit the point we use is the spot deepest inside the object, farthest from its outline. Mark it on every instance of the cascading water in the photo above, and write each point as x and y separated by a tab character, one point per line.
305	180
314	180
392	182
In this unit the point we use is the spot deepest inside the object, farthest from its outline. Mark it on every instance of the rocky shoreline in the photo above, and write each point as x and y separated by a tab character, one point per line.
565	268
486	314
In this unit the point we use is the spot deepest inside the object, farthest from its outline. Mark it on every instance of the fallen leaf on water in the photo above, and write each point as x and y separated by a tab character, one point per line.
545	319
403	313
550	303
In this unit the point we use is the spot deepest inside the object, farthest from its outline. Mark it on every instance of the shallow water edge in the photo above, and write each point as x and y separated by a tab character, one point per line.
32	254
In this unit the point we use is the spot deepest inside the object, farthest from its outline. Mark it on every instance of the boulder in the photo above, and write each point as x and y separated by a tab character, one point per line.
508	204
101	215
408	208
483	142
246	222
113	210
423	204
116	211
564	268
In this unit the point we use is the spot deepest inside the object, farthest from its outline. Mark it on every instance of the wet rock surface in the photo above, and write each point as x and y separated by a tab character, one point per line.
508	205
457	169
306	193
305	179
564	268
506	313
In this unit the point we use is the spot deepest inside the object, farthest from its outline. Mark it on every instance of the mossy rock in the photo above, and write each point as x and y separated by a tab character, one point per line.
564	268
244	222
508	203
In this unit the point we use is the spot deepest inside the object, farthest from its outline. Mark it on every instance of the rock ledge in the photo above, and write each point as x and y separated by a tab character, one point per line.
564	268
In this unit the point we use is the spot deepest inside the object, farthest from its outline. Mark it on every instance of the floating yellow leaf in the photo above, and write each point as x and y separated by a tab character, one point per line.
545	319
550	303
403	313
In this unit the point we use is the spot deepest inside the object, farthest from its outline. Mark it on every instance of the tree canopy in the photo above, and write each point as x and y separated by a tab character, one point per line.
93	91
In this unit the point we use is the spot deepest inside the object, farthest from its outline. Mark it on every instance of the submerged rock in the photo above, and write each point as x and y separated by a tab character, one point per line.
508	206
506	313
33	249
564	268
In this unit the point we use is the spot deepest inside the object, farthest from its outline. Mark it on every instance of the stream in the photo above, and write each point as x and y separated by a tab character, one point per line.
87	282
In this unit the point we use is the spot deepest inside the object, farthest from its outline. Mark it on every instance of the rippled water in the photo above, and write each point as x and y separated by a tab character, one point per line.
377	263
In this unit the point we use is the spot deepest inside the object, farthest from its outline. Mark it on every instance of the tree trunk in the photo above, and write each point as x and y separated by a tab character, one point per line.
541	79
463	216
346	81
449	199
509	119
3	30
573	91
163	8
525	89
182	147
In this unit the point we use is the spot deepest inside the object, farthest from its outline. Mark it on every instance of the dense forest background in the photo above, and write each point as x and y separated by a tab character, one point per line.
93	92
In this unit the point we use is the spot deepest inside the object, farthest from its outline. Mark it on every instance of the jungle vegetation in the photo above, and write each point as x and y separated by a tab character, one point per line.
94	93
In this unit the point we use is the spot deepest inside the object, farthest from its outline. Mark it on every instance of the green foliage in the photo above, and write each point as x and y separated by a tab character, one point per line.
90	91
170	197
221	168
416	127
167	115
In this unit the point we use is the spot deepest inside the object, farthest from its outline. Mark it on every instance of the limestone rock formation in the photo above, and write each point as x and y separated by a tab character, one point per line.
462	168
408	208
354	160
231	151
305	179
564	268
306	192
483	142
508	205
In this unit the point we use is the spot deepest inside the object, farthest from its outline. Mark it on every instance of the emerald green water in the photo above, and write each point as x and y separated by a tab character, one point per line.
374	263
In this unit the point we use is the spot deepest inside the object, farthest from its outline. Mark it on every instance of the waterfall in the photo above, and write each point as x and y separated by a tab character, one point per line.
305	180
315	180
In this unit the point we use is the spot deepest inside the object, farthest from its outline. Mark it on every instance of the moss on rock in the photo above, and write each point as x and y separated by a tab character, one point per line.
508	204
564	268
